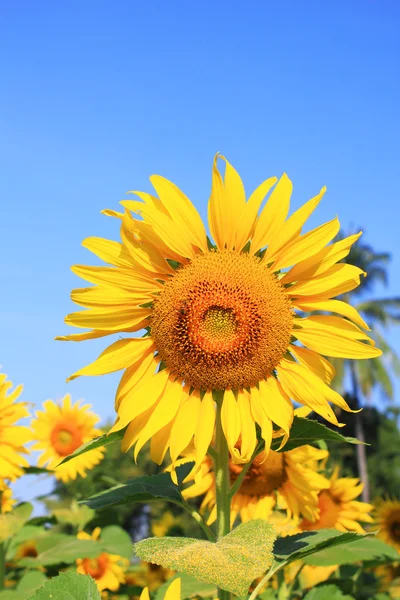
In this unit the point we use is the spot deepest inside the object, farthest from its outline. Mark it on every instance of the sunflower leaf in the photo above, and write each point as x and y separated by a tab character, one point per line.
307	431
142	489
75	515
114	540
68	586
366	549
97	442
57	548
232	563
301	545
12	522
327	592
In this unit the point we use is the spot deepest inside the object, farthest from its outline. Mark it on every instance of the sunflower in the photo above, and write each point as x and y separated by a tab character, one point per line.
167	524
173	592
148	574
338	507
62	428
107	569
27	549
292	474
223	315
12	436
388	519
6	499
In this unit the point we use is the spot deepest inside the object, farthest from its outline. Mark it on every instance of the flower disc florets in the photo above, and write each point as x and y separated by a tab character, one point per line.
222	321
265	474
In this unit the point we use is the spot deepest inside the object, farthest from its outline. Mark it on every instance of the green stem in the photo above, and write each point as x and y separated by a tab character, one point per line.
222	483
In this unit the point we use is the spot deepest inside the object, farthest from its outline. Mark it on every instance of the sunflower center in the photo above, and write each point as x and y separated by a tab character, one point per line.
222	321
28	549
65	438
395	531
96	567
264	475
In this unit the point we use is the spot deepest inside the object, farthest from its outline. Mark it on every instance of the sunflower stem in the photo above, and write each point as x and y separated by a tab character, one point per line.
222	483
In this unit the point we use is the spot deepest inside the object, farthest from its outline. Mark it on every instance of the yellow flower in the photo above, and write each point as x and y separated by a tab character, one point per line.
107	569
292	474
7	501
388	519
162	526
148	574
226	316
27	548
338	507
389	576
62	428
12	436
311	576
173	592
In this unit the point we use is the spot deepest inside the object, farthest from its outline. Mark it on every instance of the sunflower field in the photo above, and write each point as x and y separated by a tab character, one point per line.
226	471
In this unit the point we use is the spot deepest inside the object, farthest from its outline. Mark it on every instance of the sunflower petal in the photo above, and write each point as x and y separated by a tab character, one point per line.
335	306
273	215
248	219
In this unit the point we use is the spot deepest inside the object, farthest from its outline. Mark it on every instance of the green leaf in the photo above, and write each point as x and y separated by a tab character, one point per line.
115	540
307	431
37	471
58	548
294	547
27	585
232	563
369	549
327	592
28	532
142	489
12	522
97	442
190	587
68	586
76	515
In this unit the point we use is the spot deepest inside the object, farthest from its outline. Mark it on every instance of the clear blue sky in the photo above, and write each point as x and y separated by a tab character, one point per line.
96	96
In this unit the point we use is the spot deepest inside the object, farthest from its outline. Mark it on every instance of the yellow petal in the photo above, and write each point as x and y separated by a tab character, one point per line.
181	210
185	424
334	336
276	404
261	417
248	436
296	383
216	207
306	245
321	261
80	337
144	395
104	296
160	443
230	420
120	355
315	362
145	594
273	215
133	375
205	427
109	320
248	219
111	252
163	413
121	278
336	280
292	227
335	306
174	590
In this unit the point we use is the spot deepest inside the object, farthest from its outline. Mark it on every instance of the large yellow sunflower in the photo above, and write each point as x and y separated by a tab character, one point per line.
12	436
222	315
388	519
291	474
60	429
338	507
107	569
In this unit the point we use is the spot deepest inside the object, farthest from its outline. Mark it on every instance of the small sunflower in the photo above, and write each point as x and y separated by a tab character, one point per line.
12	437
7	501
107	569
225	315
62	428
338	507
388	519
167	524
293	475
27	549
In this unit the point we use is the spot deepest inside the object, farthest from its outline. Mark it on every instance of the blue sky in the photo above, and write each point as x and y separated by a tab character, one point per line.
97	96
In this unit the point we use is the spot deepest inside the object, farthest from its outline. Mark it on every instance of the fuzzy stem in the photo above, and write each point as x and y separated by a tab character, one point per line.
222	483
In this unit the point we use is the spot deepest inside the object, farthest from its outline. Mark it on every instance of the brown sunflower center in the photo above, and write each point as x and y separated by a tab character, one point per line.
28	549
65	438
96	567
395	530
264	475
222	321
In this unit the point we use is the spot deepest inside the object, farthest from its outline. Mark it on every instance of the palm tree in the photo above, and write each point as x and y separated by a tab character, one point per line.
359	379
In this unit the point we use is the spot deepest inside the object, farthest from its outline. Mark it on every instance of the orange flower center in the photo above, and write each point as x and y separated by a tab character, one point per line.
264	475
96	567
28	549
222	321
394	529
330	509
66	437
